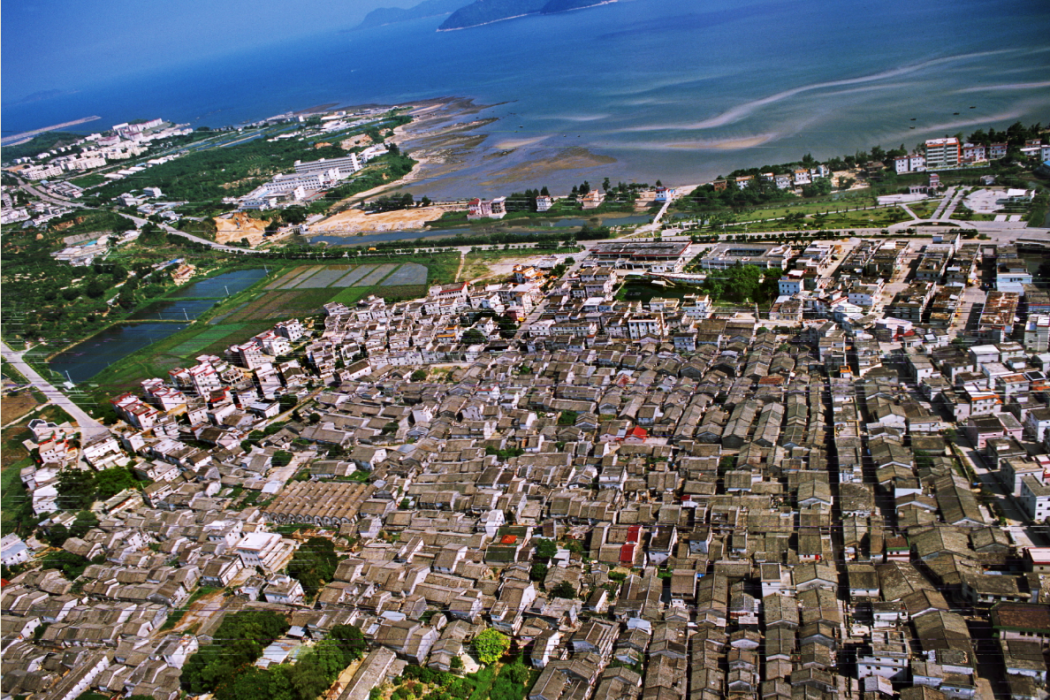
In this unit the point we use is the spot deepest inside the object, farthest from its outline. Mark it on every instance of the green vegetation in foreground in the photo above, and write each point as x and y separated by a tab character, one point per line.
226	669
507	681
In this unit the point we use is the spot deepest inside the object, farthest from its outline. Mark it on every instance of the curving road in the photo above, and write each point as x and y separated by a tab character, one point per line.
140	222
89	427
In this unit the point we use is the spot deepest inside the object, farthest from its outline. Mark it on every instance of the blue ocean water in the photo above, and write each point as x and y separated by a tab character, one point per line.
674	89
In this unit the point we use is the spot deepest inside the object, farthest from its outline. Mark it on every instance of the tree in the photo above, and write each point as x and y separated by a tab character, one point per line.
295	214
95	288
419	375
564	590
76	489
110	482
57	534
491	645
473	337
350	641
126	298
314	564
538	572
84	521
546	548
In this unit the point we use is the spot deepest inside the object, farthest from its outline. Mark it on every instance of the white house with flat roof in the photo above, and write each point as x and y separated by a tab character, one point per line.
265	549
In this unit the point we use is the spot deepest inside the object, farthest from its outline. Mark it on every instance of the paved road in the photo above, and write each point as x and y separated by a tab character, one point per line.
954	203
88	425
944	203
649	229
196	239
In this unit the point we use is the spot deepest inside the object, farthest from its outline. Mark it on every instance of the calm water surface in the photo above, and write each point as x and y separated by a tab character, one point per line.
673	89
90	357
217	287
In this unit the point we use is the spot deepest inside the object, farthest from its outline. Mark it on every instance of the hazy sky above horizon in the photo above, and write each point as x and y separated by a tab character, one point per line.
62	44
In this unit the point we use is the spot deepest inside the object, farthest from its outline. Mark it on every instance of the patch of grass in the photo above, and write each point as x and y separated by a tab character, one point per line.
88	180
208	336
1039	214
242	333
12	492
867	218
924	210
644	292
11	373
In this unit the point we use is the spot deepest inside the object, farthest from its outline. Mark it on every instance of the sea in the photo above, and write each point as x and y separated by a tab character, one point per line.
675	90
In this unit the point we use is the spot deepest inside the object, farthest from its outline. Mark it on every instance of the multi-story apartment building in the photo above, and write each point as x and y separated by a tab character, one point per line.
943	153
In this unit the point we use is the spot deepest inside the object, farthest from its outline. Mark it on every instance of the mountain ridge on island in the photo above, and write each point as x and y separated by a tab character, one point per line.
393	15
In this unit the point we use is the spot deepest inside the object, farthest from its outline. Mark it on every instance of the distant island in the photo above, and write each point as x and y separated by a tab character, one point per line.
474	14
393	15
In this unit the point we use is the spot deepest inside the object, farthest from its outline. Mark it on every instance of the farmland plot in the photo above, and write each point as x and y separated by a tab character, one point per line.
409	273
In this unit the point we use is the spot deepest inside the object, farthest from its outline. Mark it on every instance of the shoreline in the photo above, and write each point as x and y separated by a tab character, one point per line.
17	139
484	24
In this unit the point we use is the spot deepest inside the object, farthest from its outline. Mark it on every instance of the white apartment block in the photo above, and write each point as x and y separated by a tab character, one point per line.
911	163
943	153
645	326
347	165
40	172
264	549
